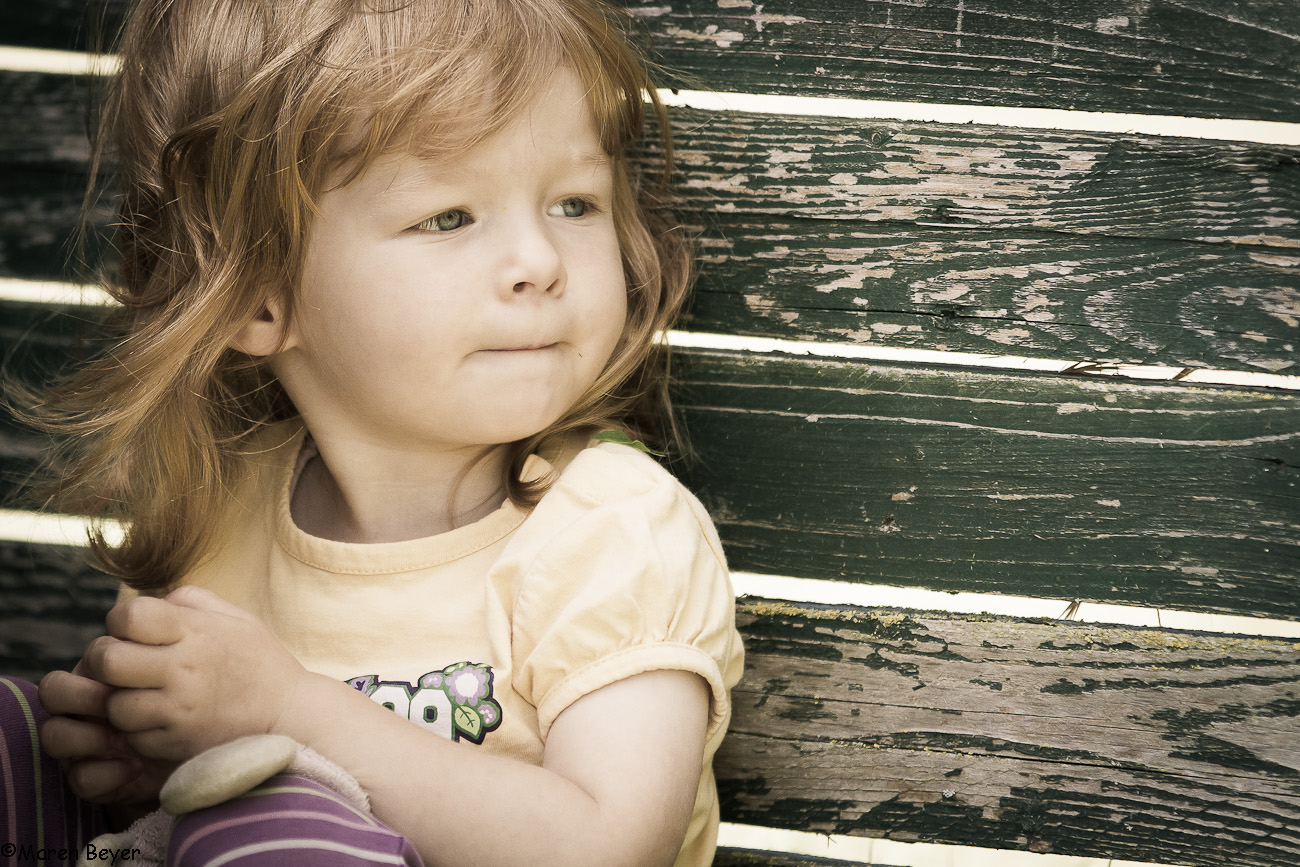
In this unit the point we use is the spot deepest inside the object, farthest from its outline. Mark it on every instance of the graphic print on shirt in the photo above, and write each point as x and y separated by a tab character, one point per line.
455	702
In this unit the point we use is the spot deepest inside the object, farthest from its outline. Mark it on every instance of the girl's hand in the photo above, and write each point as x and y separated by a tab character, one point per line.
192	671
99	765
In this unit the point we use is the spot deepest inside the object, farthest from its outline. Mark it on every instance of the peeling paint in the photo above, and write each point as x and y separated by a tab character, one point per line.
1009	336
951	293
761	19
1274	259
1014	497
720	38
852	277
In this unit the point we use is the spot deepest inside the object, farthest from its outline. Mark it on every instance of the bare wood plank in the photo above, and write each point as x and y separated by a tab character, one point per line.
1155	495
1041	294
1071	739
1199	58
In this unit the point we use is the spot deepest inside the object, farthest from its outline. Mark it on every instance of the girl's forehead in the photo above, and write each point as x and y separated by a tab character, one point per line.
556	117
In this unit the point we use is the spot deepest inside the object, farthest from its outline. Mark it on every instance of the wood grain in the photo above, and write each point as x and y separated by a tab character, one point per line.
983	177
1201	58
1157	495
1154	495
1049	736
1093	247
1187	57
1035	293
1053	737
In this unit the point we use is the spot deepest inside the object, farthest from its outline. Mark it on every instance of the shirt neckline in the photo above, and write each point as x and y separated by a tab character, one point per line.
388	558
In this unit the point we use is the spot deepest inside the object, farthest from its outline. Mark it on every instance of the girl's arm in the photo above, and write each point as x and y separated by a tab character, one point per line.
618	780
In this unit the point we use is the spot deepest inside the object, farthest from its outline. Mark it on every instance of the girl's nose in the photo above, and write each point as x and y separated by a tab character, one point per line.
531	262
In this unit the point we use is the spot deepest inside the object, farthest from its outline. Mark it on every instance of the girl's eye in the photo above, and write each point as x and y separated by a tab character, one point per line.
447	221
574	207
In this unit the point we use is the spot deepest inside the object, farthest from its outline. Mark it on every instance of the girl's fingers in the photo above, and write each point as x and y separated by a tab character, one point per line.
63	693
203	599
73	740
146	620
125	664
138	710
99	780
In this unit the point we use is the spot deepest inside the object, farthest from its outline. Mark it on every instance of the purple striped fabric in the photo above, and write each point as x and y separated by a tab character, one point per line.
285	821
288	820
39	811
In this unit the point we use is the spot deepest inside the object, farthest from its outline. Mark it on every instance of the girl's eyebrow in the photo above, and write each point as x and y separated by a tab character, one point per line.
597	159
415	179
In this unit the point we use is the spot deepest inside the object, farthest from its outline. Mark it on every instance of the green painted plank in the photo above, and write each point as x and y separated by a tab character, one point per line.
38	340
1157	495
1040	294
1201	58
39	210
1071	739
964	176
43	120
63	25
989	178
1097	247
1152	495
1196	58
1050	736
54	605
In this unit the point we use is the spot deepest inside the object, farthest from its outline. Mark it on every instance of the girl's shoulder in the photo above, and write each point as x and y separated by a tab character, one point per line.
605	471
618	486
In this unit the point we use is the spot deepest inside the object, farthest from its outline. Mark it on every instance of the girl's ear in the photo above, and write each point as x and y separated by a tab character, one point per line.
265	333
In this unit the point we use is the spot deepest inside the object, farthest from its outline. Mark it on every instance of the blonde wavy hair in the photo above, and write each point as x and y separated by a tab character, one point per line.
222	126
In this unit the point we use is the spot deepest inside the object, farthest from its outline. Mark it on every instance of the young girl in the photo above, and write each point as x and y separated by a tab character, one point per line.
387	272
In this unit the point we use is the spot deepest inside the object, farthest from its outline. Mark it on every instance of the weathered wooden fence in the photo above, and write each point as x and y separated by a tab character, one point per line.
921	262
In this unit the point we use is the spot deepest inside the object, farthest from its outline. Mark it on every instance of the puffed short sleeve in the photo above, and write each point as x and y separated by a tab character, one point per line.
631	578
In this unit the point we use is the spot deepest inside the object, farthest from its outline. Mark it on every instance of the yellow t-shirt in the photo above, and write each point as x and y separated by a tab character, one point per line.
487	632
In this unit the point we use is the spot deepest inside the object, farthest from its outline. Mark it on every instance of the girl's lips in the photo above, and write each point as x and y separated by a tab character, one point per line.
528	348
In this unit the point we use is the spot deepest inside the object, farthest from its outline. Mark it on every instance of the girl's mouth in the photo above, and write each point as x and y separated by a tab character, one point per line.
531	347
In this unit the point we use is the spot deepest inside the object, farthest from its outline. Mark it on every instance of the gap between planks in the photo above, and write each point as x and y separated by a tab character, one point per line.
1221	129
53	529
53	293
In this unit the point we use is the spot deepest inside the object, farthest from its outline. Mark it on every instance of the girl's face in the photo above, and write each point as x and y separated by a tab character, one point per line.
466	302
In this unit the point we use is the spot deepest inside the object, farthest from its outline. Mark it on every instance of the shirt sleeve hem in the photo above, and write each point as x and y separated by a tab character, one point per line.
631	661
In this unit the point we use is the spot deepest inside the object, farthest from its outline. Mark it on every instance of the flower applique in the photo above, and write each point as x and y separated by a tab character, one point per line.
455	702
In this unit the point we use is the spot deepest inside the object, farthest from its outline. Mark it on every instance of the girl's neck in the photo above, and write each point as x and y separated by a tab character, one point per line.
350	492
